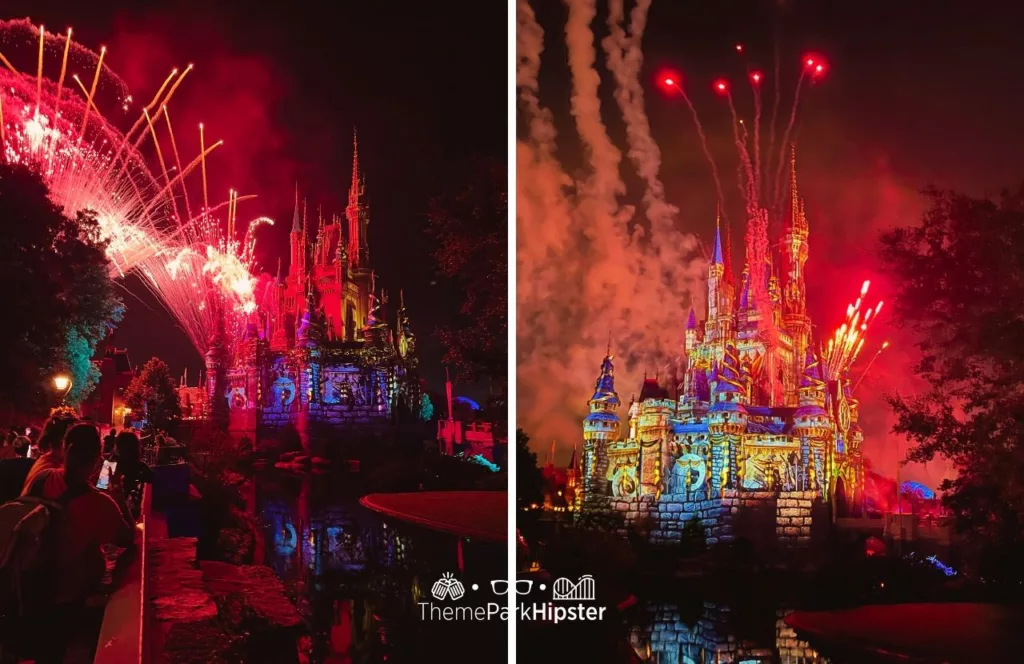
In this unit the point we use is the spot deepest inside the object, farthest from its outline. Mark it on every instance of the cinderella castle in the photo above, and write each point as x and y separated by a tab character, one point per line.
319	354
756	440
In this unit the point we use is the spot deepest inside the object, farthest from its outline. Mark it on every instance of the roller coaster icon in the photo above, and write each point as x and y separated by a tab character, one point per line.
567	591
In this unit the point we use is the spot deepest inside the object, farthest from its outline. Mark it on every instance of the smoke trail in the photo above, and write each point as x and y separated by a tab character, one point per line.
778	194
624	59
757	138
580	271
777	86
749	194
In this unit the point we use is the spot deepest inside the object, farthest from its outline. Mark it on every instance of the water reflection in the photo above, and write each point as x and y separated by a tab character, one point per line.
664	634
357	578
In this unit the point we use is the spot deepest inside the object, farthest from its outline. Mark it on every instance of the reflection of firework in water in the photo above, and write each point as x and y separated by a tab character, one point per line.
58	129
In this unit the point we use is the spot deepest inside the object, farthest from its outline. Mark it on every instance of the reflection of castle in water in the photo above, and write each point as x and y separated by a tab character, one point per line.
357	578
664	638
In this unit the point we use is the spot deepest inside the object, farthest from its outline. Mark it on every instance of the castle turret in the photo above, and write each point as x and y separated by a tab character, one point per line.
356	214
811	424
297	244
727	414
727	420
690	338
795	250
716	272
600	428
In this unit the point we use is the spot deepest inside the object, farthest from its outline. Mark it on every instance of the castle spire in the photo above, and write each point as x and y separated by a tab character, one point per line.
353	191
729	278
717	257
296	227
353	211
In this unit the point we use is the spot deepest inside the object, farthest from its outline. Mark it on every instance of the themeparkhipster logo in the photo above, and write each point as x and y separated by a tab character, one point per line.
449	591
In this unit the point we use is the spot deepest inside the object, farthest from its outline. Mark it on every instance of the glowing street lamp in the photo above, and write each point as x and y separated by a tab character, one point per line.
62	383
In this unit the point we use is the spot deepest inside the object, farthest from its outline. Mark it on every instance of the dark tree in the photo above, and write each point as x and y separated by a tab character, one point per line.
471	228
58	298
959	276
529	479
154	393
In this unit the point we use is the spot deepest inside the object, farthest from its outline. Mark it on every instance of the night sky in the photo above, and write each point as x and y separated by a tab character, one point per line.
916	94
284	85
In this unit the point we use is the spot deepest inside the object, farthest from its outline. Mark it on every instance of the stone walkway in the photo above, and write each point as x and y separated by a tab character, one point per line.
205	611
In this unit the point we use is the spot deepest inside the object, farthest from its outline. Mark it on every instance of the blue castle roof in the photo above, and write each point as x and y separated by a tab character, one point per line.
604	389
691	320
717	259
681	428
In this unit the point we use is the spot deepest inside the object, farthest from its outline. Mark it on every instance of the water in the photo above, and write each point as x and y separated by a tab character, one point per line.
686	631
358	579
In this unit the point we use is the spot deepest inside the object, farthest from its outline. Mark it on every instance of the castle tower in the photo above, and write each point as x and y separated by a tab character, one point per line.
297	244
600	428
811	424
652	427
690	338
716	273
795	250
727	420
356	214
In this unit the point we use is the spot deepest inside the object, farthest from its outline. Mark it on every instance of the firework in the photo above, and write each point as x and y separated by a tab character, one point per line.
846	343
203	277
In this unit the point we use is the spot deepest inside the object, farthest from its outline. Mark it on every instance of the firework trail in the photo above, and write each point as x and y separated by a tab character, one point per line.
755	84
747	188
674	84
89	164
778	192
845	345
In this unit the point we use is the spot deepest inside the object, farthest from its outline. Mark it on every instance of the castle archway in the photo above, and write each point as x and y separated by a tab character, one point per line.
842	503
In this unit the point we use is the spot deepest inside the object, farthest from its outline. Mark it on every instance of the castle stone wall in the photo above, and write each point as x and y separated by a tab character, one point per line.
770	520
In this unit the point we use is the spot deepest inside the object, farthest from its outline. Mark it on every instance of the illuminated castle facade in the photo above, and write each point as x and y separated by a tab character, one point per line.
754	422
320	353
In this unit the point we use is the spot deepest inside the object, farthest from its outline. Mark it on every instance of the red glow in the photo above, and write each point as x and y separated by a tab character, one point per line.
669	81
756	77
739	48
721	86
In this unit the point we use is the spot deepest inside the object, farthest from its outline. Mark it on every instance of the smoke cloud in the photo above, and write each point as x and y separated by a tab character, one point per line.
590	274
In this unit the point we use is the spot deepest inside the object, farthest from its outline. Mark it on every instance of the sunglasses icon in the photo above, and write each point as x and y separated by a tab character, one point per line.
500	586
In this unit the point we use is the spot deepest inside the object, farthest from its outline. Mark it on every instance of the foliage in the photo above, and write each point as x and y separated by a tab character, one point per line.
959	278
471	228
155	393
426	408
61	300
529	479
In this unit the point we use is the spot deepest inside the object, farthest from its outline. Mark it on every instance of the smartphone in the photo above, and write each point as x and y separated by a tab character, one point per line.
106	472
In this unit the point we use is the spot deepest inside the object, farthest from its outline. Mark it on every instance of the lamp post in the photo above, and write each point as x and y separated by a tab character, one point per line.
62	383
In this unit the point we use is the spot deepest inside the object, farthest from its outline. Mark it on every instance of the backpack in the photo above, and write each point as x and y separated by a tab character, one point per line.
27	527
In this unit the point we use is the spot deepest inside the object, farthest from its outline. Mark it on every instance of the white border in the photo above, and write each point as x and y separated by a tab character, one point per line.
512	448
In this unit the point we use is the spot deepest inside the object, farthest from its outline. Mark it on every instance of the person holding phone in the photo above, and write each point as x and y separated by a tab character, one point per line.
91	519
129	470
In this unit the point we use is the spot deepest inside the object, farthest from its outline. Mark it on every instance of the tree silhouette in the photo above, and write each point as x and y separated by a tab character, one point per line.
471	228
58	296
959	278
153	393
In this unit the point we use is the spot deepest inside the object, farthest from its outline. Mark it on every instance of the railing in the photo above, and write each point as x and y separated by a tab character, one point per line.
125	627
